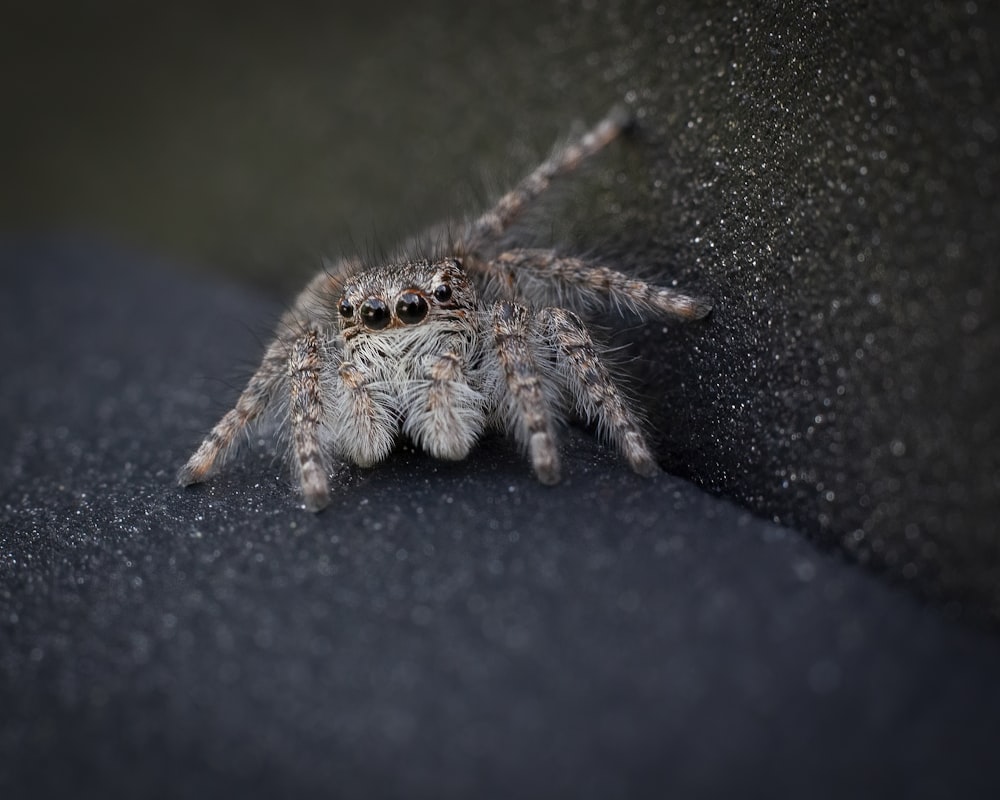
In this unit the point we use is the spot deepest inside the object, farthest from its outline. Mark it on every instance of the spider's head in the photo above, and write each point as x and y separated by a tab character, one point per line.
404	295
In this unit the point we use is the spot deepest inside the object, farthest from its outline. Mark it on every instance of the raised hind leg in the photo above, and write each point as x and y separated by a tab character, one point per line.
494	222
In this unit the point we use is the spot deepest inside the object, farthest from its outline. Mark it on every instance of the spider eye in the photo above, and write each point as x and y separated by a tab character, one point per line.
411	307
346	309
375	313
442	293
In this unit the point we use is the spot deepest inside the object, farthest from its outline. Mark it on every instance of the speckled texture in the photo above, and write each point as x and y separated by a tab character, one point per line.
443	630
832	180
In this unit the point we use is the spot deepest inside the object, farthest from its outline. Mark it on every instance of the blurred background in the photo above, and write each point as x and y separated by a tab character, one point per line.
252	141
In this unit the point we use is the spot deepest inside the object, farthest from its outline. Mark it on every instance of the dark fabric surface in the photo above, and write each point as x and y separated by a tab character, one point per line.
443	630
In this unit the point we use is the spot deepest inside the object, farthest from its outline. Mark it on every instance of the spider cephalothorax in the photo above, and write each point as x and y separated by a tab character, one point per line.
440	350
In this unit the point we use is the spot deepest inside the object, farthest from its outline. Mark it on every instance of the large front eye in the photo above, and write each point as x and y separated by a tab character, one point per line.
411	308
375	313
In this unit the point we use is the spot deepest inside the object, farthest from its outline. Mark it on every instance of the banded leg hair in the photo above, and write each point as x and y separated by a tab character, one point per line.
596	397
528	407
544	278
494	222
305	412
526	346
273	383
294	368
218	447
523	273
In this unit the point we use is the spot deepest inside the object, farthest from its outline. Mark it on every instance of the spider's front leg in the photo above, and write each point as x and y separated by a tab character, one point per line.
294	343
305	416
255	400
527	409
595	393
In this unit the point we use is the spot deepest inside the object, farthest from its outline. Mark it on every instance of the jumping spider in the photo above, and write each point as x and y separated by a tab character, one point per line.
440	349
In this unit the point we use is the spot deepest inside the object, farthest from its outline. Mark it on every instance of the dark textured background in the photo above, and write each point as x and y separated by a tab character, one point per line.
827	175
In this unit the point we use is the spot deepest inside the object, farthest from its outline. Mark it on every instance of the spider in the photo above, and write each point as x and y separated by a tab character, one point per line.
439	350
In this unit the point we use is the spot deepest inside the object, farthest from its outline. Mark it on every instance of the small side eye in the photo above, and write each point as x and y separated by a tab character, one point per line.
346	309
442	293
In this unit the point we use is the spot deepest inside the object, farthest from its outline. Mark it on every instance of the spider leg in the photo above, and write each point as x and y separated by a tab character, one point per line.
262	387
593	389
543	277
528	408
305	413
495	221
217	447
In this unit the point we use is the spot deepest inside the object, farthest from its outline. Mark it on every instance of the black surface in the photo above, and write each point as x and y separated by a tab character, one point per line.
443	630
